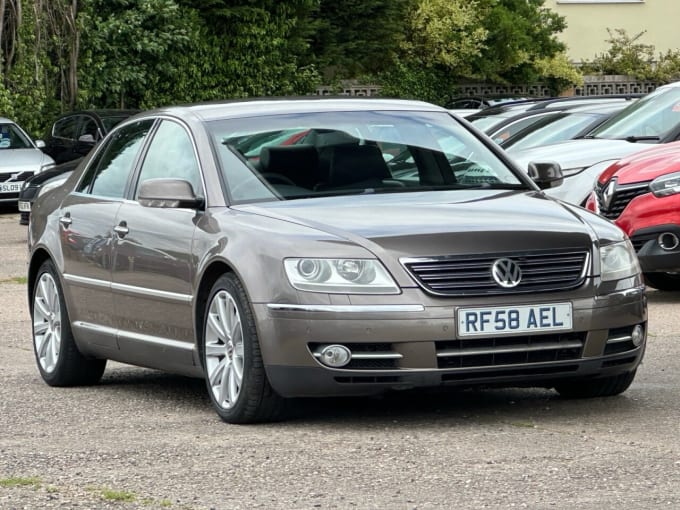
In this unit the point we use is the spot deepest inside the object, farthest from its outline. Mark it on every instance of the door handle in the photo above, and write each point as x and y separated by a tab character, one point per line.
66	220
121	229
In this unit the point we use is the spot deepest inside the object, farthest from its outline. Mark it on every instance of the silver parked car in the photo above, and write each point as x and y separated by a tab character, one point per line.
322	264
20	158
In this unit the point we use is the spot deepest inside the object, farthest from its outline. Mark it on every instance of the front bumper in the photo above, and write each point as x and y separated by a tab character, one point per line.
420	347
653	258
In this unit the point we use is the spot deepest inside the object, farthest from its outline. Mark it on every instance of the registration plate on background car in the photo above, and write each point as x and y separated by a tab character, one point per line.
11	187
501	320
24	206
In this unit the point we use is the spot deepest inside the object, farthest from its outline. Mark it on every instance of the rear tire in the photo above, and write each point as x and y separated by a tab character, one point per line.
234	372
59	361
600	387
663	281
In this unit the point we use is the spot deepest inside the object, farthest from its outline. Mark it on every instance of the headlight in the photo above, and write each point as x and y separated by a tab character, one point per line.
618	261
666	185
340	276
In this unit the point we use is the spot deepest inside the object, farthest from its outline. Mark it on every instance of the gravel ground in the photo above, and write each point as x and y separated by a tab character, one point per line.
145	439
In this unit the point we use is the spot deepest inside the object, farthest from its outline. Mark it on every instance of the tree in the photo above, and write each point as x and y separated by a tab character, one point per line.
497	41
519	33
356	37
132	49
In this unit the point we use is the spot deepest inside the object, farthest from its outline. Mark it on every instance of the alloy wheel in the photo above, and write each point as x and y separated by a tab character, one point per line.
224	350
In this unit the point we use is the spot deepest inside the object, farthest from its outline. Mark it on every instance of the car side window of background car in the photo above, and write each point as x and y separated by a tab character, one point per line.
65	128
88	129
110	170
171	154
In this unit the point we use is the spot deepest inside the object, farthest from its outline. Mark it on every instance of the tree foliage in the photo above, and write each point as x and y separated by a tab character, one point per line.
58	55
495	41
628	55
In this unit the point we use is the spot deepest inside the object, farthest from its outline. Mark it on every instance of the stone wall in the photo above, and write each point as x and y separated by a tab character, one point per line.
592	86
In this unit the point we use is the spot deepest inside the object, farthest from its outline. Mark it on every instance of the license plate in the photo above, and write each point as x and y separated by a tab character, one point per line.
503	320
11	187
24	206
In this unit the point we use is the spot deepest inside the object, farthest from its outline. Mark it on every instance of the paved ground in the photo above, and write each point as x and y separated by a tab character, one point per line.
143	439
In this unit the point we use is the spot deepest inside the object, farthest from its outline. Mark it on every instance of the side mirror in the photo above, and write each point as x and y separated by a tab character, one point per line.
168	193
86	138
546	174
40	144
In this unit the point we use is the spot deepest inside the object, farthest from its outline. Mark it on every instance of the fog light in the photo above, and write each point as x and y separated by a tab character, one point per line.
335	356
668	241
637	336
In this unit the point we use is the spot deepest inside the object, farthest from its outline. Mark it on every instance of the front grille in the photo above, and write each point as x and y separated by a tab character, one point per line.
542	271
499	351
14	176
621	198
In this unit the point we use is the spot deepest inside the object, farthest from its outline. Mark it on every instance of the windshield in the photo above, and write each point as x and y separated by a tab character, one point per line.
11	137
308	155
554	130
651	117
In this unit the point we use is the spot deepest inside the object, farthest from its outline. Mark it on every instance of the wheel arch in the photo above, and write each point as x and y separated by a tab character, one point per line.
210	275
37	260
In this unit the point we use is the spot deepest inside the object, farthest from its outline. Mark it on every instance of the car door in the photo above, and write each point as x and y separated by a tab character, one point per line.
87	135
153	265
60	142
87	219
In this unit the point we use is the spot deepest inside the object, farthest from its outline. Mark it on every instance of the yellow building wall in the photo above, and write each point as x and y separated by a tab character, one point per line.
588	20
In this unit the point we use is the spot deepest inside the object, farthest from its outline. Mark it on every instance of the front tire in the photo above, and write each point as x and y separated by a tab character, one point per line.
600	387
235	376
663	281
59	361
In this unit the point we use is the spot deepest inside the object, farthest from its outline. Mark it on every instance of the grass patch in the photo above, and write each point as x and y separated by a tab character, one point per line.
165	503
21	280
121	496
18	481
523	424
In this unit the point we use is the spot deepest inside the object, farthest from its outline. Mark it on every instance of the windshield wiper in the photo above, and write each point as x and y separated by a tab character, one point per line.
642	138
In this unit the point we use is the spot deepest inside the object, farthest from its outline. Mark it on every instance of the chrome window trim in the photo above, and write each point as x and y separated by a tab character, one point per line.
346	308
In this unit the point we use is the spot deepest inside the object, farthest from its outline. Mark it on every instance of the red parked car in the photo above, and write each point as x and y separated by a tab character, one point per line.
641	194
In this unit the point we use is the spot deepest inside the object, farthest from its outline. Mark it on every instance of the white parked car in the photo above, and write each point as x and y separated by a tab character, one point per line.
20	158
651	120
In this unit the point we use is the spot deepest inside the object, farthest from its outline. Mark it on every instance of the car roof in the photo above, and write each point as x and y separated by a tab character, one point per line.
5	120
104	112
268	106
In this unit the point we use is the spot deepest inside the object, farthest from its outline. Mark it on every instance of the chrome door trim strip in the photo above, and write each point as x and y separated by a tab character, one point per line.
87	282
346	308
143	291
128	289
138	337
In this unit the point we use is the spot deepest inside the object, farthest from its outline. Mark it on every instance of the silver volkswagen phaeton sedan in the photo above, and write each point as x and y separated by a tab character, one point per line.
297	248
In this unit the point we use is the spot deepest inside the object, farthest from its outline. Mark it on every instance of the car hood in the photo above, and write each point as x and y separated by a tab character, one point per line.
646	165
581	153
23	160
451	222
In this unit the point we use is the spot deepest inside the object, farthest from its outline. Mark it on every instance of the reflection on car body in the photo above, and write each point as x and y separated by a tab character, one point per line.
322	268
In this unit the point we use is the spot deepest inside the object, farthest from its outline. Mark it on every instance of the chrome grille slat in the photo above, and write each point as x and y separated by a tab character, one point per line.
542	271
510	349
